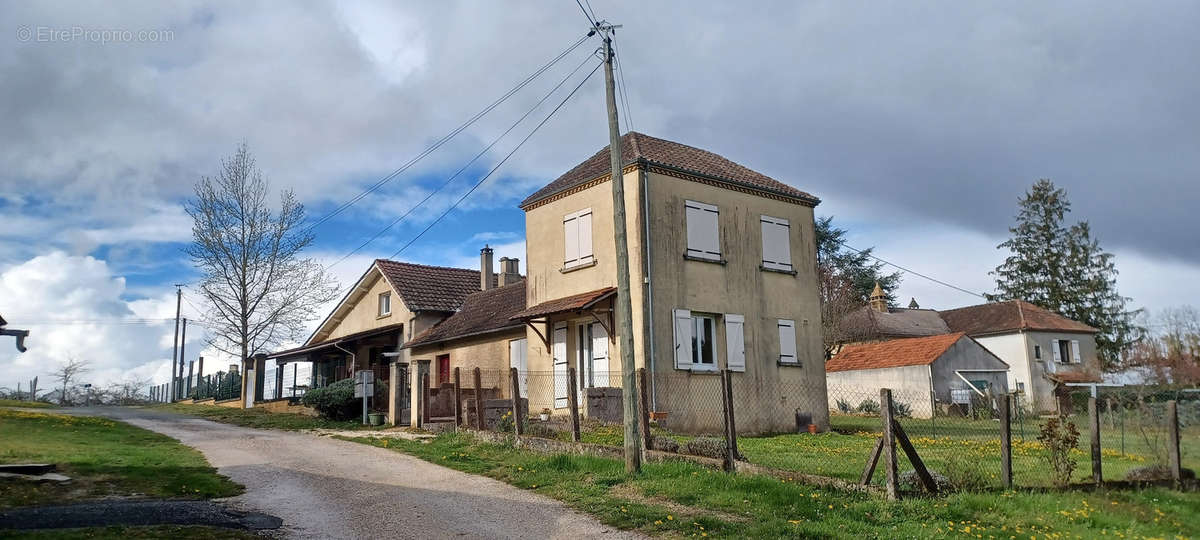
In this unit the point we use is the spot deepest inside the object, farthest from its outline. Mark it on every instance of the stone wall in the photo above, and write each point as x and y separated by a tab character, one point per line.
604	404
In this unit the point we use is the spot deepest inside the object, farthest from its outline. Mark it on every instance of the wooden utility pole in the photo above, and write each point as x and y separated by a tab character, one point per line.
175	348
182	346
633	443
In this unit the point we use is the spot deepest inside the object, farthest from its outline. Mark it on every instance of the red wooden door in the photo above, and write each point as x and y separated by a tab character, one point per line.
443	369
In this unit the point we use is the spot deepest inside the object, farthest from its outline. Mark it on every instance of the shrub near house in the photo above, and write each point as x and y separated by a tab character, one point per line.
337	401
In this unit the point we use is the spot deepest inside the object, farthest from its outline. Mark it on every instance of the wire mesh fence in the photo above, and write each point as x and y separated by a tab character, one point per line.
217	386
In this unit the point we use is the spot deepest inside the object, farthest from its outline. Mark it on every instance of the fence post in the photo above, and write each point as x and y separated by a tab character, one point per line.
889	443
1094	422
573	403
458	420
424	400
647	440
516	401
727	418
479	423
1173	442
732	424
1006	440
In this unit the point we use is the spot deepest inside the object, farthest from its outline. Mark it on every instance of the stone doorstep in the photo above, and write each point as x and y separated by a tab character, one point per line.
28	468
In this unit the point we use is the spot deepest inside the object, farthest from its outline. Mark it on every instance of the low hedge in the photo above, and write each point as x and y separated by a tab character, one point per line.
337	401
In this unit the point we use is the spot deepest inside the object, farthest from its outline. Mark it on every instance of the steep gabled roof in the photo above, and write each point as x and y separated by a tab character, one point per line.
638	147
483	312
1009	316
430	288
867	323
920	351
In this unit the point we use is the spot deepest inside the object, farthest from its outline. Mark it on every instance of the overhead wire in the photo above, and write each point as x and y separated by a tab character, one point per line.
913	272
502	161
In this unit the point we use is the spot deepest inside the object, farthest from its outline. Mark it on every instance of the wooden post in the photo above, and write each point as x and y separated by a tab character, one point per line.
515	390
1006	440
458	419
424	399
1094	422
889	444
573	403
725	407
479	423
1173	442
732	424
647	440
872	462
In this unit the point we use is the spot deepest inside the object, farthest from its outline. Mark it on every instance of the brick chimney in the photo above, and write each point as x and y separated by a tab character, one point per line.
878	299
510	271
485	269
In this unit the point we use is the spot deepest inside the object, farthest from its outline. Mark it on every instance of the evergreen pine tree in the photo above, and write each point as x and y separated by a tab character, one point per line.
856	267
1064	270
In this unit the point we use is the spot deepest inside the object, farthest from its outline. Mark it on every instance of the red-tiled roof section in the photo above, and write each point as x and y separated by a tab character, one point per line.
566	304
430	288
920	351
637	146
483	312
1007	316
327	342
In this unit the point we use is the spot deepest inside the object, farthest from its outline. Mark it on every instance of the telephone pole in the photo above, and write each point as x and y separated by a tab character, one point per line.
175	349
182	347
633	439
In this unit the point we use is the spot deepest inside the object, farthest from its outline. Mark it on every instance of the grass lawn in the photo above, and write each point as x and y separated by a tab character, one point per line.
681	499
115	533
259	418
104	458
27	404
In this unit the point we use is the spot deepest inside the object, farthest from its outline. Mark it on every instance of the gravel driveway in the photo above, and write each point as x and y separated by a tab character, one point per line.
327	488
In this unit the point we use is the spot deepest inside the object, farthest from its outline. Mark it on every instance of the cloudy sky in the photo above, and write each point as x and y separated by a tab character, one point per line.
918	124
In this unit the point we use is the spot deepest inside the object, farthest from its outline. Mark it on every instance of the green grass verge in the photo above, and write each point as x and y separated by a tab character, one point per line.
682	499
115	533
104	458
26	404
259	418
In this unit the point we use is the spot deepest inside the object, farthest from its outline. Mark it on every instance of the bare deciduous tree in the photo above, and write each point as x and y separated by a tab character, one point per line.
68	372
258	290
838	300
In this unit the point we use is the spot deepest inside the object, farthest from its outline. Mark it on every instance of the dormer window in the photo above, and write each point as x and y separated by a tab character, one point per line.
385	304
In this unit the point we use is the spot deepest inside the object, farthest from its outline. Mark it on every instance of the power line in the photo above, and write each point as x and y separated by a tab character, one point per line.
510	154
913	272
464	167
624	96
447	137
590	17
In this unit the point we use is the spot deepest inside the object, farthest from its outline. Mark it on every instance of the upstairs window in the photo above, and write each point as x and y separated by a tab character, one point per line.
703	231
776	244
577	238
385	304
787	342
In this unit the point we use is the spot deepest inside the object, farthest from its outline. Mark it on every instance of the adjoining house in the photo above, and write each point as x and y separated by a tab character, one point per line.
723	266
392	302
1045	351
879	322
945	370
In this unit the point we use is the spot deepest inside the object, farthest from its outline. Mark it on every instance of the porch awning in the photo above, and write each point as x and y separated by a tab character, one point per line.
329	344
1069	377
567	304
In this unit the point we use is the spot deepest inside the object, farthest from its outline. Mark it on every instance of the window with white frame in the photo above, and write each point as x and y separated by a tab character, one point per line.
385	304
776	244
577	239
703	230
787	342
695	341
1066	351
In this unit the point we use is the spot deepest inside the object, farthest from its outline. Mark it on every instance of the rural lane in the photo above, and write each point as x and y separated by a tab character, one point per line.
328	488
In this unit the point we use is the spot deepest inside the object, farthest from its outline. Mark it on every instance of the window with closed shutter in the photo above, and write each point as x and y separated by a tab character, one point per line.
735	342
559	350
683	338
577	239
1075	351
776	243
787	342
703	230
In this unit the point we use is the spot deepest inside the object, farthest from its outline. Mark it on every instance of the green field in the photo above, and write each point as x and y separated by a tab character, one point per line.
26	404
104	458
681	499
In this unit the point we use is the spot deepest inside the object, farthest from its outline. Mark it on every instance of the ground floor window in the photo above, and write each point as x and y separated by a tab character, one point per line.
703	338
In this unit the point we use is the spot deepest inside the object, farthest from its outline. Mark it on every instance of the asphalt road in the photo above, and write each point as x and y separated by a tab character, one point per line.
327	488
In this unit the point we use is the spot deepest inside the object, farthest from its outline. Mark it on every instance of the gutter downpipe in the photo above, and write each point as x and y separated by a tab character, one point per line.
649	286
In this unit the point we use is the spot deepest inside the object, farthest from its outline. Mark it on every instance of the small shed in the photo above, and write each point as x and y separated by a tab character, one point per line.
951	368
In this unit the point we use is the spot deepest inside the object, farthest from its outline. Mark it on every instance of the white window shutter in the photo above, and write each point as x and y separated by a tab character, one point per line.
1075	351
776	243
703	230
683	339
585	237
735	342
787	341
559	350
1057	353
571	241
600	368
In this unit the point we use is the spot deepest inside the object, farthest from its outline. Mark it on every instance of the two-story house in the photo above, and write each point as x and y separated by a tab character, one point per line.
723	266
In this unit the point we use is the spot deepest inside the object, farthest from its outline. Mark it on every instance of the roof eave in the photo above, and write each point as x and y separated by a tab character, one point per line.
509	328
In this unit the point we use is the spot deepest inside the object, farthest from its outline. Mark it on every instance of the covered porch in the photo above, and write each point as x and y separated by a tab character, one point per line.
330	361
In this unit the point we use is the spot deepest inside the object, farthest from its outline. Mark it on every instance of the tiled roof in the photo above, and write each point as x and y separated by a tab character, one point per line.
482	312
569	303
895	353
430	288
867	323
1074	377
640	147
328	343
1007	316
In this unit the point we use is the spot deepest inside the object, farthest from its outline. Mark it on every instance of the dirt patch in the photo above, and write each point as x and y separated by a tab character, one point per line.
626	491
